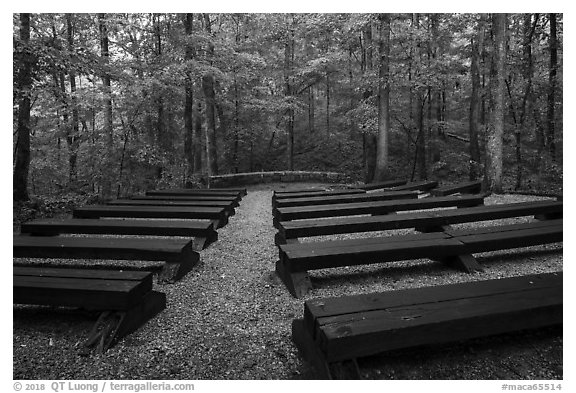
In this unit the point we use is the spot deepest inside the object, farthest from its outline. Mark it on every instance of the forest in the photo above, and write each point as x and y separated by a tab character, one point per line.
108	105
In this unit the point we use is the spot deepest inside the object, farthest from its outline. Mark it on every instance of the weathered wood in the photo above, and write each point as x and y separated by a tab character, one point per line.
228	206
423	221
202	230
205	192
337	199
378	207
424	185
125	298
182	212
470	187
232	199
178	255
241	190
340	329
307	194
381	185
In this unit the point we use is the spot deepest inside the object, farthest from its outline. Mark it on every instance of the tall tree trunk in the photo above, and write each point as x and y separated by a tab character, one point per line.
197	138
189	99
476	47
370	140
108	126
24	83
288	64
383	99
73	136
433	102
311	109
496	130
210	99
553	42
160	123
327	102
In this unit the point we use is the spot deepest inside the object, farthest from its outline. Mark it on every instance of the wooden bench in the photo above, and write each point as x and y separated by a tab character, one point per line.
424	185
374	208
453	247
336	199
336	331
381	185
240	190
233	200
178	256
424	221
228	206
306	194
217	214
202	231
184	192
124	298
469	187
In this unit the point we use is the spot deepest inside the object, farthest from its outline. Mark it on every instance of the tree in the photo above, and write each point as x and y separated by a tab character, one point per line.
24	85
476	47
210	100
553	44
494	146
383	99
108	120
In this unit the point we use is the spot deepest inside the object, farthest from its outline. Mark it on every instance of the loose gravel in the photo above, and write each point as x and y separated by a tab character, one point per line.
230	317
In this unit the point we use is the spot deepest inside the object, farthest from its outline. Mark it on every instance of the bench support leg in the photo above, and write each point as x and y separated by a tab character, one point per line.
113	325
465	262
549	216
298	283
173	271
200	243
432	228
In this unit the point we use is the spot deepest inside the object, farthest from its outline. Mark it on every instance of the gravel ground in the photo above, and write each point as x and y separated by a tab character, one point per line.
230	317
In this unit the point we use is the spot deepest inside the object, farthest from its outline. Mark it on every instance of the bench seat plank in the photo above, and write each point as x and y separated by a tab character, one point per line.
182	212
339	329
126	275
199	198
420	220
79	292
381	185
424	185
229	205
336	199
379	207
469	187
195	192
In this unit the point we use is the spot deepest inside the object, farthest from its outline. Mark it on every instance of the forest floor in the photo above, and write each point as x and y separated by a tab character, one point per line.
230	318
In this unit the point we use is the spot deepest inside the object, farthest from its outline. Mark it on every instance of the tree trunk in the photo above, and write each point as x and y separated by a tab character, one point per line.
189	100
550	138
474	169
327	103
197	139
369	141
108	126
311	109
73	136
288	64
496	130
383	99
24	83
210	99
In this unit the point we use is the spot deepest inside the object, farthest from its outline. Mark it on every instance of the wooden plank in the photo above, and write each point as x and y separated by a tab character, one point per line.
234	200
160	202
379	207
420	220
242	191
298	190
337	306
336	199
298	260
511	239
183	212
202	228
469	187
455	232
181	192
94	274
381	185
323	193
95	294
104	248
439	323
423	185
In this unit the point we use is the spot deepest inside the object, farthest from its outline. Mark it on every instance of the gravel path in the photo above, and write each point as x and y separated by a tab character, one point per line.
230	318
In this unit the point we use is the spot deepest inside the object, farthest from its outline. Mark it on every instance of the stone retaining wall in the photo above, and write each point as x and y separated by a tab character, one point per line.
239	179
